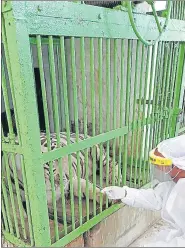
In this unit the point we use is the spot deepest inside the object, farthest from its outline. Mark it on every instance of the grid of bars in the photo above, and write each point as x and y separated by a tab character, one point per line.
110	101
178	10
125	109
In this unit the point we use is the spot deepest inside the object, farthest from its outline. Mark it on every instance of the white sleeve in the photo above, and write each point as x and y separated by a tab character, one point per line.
147	198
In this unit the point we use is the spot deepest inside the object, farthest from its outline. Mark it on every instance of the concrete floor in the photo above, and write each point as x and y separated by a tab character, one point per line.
150	234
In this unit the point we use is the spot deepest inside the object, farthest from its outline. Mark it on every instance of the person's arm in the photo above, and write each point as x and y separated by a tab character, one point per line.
141	198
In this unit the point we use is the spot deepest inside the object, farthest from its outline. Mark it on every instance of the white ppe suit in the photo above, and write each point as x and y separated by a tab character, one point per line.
169	197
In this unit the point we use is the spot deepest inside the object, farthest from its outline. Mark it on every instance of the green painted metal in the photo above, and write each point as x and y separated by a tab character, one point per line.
173	80
165	128
56	127
93	119
7	205
161	30
12	199
146	85
75	101
114	108
27	203
149	127
151	69
178	85
84	100
20	205
93	19
107	109
12	148
178	10
98	49
88	225
100	114
128	85
62	54
5	222
139	107
7	108
160	78
134	113
21	71
121	113
14	240
67	128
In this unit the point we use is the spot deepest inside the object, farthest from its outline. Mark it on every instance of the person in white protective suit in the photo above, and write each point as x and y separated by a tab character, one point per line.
168	194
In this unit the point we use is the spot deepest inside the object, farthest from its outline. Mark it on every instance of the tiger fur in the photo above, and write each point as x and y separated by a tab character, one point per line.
65	168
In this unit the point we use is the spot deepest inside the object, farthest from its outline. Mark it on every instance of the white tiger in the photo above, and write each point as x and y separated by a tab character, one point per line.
65	167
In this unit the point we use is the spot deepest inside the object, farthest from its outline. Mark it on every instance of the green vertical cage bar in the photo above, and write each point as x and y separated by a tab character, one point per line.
66	110
107	110
151	64
139	106
56	126
176	11
155	112
148	137
158	96
43	89
4	216
181	7
18	45
27	202
12	200
100	52
172	11
7	205
7	107
140	111
180	10
134	113
17	189
127	107
93	119
115	85
84	101
75	101
183	11
137	130
8	64
164	88
148	61
173	78
168	89
178	85
121	111
150	132
2	134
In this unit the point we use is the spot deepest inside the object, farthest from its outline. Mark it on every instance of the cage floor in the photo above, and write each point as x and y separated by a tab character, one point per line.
151	234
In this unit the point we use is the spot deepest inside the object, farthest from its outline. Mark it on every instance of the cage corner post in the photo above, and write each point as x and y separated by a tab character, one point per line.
16	37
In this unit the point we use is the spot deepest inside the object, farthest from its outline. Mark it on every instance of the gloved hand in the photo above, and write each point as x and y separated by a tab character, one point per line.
114	192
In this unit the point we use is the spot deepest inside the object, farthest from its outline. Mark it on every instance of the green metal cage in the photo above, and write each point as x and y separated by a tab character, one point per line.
84	103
